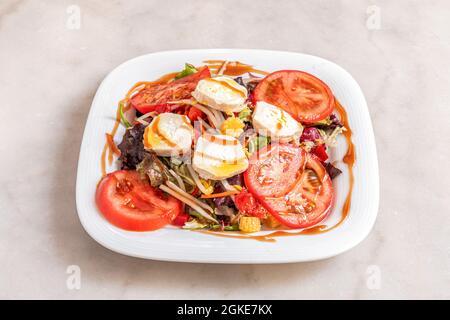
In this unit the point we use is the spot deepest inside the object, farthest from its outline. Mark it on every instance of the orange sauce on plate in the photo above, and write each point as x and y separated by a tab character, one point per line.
227	85
137	87
236	68
349	160
232	68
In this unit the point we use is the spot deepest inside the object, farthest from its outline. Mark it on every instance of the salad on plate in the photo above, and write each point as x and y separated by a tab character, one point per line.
224	147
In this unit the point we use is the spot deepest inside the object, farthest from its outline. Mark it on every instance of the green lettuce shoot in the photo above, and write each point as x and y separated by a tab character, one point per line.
188	69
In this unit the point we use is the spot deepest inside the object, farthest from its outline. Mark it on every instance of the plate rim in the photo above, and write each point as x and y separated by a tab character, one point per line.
287	259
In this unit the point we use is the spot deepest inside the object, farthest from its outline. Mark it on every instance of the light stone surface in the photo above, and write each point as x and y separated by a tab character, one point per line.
49	74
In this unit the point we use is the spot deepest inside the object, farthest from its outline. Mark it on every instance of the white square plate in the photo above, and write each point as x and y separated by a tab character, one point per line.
174	244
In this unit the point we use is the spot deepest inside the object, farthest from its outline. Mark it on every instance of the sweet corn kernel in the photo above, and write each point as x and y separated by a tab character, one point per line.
232	126
249	224
271	222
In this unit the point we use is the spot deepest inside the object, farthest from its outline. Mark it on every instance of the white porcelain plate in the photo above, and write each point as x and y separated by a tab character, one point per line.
173	244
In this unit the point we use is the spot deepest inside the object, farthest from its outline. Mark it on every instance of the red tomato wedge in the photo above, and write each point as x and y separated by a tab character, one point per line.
133	204
301	94
181	219
155	98
248	205
299	194
195	114
274	169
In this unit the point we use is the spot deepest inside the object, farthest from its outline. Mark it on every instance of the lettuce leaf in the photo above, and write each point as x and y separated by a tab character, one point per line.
245	115
188	69
257	143
154	169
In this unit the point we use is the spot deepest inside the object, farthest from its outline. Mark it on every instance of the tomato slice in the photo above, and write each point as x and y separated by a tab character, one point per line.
180	220
132	204
155	98
291	184
248	205
274	170
301	94
320	152
195	114
309	202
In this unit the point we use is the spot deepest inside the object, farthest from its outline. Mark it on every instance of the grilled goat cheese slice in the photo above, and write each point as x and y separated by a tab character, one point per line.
169	134
218	157
221	93
269	120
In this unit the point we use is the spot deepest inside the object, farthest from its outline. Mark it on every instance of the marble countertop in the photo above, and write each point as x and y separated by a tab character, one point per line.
53	56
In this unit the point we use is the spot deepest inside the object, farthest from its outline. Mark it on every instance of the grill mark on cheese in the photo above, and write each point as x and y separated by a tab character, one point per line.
229	86
224	161
156	134
161	135
186	122
220	141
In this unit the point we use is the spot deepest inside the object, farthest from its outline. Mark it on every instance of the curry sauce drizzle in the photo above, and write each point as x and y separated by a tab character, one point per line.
228	86
349	159
136	88
235	69
232	68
